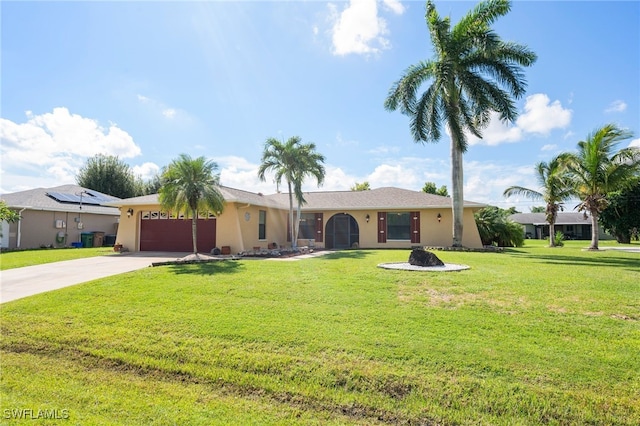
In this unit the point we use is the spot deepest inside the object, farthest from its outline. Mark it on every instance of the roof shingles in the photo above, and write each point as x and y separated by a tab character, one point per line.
388	198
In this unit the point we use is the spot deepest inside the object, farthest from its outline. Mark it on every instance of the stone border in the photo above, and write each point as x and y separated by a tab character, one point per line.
192	259
406	266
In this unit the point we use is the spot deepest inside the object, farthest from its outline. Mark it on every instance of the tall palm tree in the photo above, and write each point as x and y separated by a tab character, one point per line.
191	185
473	73
554	191
293	161
596	171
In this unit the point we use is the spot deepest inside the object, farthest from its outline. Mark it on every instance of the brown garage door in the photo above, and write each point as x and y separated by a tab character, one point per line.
175	235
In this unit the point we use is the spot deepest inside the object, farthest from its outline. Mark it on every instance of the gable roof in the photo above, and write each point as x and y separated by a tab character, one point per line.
38	199
388	198
568	218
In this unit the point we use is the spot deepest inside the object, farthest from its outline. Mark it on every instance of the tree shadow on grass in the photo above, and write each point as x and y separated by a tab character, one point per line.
207	268
346	254
633	264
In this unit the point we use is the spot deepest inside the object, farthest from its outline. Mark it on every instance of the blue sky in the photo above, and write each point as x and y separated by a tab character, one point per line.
149	80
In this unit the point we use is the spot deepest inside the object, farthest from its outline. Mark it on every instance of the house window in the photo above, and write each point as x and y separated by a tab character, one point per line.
262	225
399	226
307	226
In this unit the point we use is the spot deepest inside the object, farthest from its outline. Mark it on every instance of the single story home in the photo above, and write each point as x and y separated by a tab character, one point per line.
574	225
58	217
379	218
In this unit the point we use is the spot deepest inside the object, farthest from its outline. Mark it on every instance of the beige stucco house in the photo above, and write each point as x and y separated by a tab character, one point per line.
379	218
58	217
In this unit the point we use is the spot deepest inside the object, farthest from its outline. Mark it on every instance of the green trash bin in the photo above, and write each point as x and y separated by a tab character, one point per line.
87	239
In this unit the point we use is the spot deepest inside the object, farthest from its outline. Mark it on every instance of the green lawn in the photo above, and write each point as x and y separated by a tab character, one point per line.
20	258
530	336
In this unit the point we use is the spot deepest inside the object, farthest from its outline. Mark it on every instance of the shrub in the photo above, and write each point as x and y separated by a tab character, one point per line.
495	228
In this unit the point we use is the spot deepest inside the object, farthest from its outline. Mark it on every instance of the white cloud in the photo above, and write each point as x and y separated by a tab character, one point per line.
160	108
485	182
395	6
336	179
616	106
237	172
635	142
340	141
388	175
359	29
56	144
169	113
496	132
146	170
384	150
541	116
549	147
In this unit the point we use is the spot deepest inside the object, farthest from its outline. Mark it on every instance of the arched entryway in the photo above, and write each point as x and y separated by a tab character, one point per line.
341	232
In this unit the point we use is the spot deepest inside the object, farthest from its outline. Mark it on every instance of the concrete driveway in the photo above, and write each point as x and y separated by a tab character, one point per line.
22	282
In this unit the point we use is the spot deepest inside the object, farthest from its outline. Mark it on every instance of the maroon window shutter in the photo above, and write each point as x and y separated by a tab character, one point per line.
288	229
415	227
382	227
319	228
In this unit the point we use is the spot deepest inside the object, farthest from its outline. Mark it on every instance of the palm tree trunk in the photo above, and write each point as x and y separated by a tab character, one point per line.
298	209
457	200
293	241
595	231
552	234
194	230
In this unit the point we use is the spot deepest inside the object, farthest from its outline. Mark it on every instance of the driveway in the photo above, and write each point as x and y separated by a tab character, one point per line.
22	282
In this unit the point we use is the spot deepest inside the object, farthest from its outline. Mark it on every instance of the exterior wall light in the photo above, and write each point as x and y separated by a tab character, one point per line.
367	217
439	217
129	212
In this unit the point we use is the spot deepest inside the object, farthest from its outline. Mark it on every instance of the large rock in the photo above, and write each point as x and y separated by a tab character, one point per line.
420	257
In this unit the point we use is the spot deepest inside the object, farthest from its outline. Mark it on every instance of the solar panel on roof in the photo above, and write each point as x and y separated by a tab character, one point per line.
86	198
63	197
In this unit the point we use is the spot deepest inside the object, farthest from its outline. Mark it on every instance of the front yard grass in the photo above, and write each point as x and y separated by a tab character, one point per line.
21	258
530	336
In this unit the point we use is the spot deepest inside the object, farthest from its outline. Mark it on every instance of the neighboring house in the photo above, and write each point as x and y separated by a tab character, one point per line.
57	217
574	225
379	218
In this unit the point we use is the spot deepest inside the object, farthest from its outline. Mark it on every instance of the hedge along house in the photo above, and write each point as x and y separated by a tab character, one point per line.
57	217
379	218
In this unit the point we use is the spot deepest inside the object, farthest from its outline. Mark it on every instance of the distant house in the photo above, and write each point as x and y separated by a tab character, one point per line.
379	218
57	217
574	225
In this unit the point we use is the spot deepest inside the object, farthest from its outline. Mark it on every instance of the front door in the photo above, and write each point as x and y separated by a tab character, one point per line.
341	232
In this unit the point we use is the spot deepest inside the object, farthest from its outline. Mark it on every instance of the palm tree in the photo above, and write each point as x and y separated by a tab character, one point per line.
554	190
191	185
596	171
473	74
293	161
